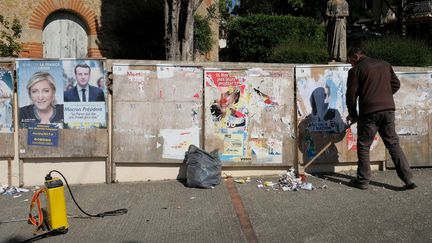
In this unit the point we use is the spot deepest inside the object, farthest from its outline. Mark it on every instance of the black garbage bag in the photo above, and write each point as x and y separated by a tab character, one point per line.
202	169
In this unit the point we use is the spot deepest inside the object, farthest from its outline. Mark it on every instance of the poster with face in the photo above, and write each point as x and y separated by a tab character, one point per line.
248	114
321	97
40	93
321	110
6	98
63	93
84	94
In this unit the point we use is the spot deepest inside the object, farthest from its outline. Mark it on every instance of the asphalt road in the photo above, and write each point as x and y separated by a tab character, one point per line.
167	211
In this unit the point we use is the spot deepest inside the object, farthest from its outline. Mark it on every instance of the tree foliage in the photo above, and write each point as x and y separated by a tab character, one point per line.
402	9
9	37
202	35
400	51
308	51
252	38
305	8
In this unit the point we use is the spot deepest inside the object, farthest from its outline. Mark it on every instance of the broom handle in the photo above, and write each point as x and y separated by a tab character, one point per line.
323	149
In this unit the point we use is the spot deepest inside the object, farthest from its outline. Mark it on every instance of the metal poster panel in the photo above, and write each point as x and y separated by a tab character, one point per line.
68	93
157	112
321	115
413	116
413	103
6	98
249	114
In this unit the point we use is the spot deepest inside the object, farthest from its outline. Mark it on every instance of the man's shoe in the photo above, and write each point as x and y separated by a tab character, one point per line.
357	184
410	186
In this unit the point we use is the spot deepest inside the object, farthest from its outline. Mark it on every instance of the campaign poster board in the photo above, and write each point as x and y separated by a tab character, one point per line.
414	117
6	98
249	115
321	116
50	103
157	112
71	108
6	109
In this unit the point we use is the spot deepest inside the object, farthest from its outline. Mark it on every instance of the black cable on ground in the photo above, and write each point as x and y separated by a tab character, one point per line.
62	229
41	236
99	215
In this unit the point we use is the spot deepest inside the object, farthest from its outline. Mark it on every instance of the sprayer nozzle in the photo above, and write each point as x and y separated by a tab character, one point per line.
48	177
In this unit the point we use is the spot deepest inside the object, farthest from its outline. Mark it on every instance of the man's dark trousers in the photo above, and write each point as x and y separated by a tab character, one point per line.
382	122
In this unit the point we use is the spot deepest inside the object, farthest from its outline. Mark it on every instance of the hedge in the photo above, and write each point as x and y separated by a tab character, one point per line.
400	51
310	52
252	38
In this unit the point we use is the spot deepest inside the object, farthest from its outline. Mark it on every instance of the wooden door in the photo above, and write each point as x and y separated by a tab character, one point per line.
64	35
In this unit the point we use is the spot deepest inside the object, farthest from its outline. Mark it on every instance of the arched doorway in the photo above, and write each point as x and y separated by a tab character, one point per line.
64	36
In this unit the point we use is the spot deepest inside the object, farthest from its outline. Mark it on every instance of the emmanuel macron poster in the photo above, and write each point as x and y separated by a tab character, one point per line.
84	93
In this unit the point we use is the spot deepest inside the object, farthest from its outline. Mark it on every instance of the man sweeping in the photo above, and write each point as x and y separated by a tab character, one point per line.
373	82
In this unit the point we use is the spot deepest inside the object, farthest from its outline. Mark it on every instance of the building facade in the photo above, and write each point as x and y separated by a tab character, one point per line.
41	18
90	28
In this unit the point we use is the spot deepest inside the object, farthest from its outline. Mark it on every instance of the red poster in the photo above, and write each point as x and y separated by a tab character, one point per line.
223	79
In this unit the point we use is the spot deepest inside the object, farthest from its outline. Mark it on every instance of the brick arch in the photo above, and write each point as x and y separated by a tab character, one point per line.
47	7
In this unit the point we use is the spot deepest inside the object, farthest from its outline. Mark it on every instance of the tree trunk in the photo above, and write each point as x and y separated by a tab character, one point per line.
400	15
172	20
401	19
179	26
187	42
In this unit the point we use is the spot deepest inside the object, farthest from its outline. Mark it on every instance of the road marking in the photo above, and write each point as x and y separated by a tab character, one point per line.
245	223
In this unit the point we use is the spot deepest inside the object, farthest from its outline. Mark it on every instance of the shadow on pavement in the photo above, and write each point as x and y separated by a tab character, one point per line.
15	240
182	181
342	179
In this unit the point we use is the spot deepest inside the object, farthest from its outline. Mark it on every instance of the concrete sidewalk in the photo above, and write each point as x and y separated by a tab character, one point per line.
167	211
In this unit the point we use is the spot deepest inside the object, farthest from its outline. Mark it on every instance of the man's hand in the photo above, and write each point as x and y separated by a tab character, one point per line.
351	119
